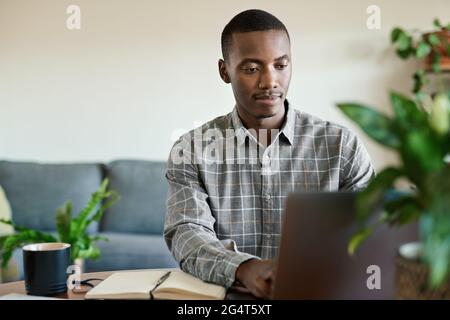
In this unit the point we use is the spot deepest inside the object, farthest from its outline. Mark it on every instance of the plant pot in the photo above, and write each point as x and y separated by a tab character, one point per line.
444	37
411	277
445	63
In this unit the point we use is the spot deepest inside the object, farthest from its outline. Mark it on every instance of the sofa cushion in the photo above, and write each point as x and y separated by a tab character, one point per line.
130	251
143	191
35	190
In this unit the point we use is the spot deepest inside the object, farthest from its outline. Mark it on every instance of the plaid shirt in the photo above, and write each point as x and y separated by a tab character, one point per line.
227	192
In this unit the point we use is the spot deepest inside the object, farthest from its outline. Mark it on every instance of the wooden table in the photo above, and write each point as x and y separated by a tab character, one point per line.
19	287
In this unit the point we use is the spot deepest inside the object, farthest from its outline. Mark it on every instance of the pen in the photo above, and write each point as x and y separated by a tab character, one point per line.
160	281
163	278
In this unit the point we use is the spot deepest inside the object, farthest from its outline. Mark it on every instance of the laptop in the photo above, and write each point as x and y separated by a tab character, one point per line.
313	262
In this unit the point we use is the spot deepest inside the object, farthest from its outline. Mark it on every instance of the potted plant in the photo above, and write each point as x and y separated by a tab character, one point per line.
422	140
431	48
70	229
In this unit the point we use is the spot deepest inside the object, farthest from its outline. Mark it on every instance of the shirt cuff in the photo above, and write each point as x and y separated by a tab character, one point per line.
226	270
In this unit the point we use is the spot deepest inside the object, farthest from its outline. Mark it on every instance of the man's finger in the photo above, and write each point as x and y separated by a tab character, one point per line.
263	288
267	273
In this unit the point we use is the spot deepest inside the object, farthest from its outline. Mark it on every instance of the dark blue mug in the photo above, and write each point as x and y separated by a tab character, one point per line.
45	266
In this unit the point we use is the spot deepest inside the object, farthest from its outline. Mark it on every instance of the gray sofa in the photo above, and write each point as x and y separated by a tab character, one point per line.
134	224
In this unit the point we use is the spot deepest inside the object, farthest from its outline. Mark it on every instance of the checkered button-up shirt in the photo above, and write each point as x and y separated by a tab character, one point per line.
227	191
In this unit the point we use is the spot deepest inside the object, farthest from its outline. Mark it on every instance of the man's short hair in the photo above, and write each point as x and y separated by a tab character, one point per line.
248	21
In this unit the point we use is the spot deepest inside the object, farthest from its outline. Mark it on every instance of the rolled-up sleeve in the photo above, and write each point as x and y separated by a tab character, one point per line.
189	224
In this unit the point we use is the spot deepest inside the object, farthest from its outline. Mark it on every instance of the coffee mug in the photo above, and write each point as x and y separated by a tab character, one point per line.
45	266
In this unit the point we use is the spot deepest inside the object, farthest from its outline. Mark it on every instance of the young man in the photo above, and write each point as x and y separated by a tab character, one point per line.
225	203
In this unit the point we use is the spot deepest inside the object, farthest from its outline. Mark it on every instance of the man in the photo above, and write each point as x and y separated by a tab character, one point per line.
225	204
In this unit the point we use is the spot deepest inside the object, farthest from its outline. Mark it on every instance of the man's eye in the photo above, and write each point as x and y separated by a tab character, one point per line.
250	70
281	66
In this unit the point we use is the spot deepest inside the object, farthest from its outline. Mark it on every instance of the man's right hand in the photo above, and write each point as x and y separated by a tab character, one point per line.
257	276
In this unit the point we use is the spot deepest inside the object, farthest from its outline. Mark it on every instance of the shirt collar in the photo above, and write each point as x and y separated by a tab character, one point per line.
240	131
287	129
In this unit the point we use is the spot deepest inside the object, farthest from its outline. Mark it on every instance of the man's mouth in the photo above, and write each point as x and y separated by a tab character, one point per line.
269	96
268	99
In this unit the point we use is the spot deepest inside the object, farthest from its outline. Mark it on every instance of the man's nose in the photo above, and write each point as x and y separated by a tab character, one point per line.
268	80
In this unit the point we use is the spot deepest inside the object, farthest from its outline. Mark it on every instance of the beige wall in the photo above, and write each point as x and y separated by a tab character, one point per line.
138	71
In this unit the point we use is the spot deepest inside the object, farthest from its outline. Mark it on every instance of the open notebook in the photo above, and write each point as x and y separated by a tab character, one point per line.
155	284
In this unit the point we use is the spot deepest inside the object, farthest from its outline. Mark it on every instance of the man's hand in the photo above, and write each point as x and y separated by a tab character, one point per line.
257	276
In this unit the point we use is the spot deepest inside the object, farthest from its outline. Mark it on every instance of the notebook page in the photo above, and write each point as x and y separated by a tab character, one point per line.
127	283
180	280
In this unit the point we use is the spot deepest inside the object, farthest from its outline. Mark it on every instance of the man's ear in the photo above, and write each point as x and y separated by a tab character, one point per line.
223	71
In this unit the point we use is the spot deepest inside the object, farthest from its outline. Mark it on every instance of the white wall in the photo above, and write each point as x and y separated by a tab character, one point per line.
139	70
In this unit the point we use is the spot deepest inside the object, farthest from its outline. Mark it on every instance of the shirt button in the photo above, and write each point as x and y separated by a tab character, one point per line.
268	197
268	236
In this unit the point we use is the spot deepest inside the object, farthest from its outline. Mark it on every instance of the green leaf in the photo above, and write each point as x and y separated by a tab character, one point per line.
423	49
440	265
440	114
113	197
421	98
422	153
97	238
371	198
11	223
436	64
435	233
80	223
437	191
7	221
433	39
2	240
404	42
91	252
63	217
420	79
404	54
9	245
395	34
79	245
81	242
401	211
376	125
407	114
437	23
357	239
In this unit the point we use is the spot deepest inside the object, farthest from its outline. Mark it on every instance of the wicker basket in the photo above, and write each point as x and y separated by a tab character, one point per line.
411	281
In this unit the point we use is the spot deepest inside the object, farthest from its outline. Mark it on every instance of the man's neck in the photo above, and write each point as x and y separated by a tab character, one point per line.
263	126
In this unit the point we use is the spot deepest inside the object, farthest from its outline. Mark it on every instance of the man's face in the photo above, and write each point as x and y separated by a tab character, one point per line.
259	70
